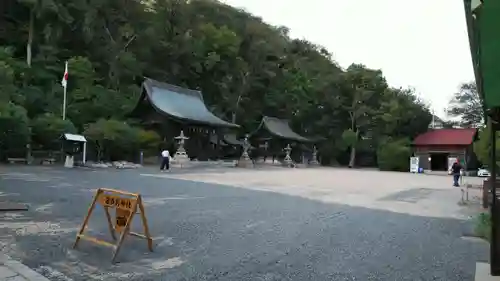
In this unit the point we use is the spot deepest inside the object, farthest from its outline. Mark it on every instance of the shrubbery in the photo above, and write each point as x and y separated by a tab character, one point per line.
109	139
394	155
47	130
483	226
15	130
114	139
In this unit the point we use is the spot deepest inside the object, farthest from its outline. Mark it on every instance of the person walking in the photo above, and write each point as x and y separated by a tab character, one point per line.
456	170
165	160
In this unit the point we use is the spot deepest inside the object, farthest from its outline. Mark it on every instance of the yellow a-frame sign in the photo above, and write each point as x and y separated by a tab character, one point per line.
126	205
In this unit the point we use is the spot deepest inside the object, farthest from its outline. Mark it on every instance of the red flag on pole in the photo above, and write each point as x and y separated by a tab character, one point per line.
64	81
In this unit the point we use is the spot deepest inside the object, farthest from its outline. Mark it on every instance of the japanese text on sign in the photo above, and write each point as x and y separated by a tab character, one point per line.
126	205
116	202
122	217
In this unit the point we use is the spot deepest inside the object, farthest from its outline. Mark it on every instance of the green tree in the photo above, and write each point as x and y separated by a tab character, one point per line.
8	66
15	130
361	89
244	67
116	140
394	155
47	130
401	115
466	105
482	147
113	139
38	11
148	140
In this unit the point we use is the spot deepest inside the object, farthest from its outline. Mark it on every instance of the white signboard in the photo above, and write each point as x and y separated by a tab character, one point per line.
414	164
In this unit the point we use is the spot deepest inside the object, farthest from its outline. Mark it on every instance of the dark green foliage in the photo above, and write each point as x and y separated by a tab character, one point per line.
113	139
394	155
48	129
245	68
483	226
15	130
466	105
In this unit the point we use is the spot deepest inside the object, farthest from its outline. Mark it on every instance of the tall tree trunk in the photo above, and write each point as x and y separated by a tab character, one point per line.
352	158
31	31
237	105
233	118
240	96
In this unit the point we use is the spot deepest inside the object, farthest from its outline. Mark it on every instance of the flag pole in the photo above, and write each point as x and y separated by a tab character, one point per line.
65	86
64	105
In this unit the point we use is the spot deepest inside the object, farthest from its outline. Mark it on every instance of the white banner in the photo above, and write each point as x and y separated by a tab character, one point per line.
414	161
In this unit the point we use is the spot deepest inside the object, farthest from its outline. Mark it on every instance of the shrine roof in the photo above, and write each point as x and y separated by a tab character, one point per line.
179	103
281	128
446	137
317	138
74	137
231	139
226	139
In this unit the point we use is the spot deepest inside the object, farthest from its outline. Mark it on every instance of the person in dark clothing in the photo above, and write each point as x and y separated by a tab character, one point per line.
456	169
165	160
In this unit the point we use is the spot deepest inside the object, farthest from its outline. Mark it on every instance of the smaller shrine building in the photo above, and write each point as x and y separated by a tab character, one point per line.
435	147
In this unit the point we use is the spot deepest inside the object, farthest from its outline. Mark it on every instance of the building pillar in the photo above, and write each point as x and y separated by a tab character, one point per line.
465	161
495	239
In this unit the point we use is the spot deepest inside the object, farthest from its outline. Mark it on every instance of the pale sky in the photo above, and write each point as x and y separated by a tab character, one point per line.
417	43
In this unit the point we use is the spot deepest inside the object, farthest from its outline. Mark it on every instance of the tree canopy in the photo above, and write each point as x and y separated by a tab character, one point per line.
245	68
466	106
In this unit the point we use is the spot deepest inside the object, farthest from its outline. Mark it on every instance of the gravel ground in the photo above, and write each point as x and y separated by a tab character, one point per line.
213	232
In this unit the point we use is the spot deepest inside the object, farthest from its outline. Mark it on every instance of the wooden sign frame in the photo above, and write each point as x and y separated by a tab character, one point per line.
126	205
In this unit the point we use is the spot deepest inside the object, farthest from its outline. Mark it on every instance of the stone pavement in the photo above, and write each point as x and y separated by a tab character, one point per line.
11	270
414	194
290	224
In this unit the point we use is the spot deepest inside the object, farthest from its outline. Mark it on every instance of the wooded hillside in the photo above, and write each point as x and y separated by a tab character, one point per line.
244	67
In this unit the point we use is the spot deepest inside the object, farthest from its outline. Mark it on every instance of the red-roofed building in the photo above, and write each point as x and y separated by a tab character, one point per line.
435	147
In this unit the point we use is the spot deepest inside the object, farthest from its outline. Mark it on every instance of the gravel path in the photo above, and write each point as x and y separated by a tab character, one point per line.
212	232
